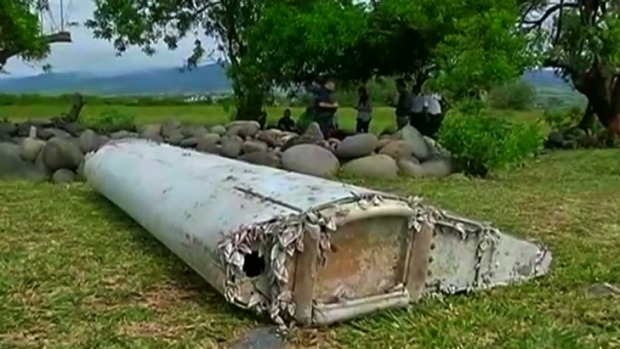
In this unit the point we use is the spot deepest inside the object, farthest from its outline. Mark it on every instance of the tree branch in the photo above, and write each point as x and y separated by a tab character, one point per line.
550	11
54	38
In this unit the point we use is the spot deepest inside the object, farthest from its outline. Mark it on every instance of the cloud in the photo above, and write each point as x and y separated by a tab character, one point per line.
91	55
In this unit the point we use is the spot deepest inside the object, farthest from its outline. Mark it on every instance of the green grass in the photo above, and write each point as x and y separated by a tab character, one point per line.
75	272
195	114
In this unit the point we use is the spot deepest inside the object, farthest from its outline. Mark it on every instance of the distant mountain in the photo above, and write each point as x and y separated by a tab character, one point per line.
205	79
545	79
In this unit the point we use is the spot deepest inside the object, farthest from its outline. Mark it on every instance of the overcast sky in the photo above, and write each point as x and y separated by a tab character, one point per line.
97	56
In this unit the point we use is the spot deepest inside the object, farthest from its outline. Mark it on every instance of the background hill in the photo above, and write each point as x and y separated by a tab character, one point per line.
205	79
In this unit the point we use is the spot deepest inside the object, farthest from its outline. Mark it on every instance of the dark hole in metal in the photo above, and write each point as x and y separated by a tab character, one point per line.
253	265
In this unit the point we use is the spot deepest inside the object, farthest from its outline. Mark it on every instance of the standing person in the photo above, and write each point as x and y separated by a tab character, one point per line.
404	105
286	122
426	116
325	107
364	111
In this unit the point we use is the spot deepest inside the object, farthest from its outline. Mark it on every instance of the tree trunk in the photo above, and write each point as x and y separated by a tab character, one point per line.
603	93
249	104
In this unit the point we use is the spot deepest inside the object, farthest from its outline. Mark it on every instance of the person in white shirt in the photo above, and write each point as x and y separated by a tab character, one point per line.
426	116
364	111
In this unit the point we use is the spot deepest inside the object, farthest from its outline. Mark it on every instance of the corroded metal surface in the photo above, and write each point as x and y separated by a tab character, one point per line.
303	249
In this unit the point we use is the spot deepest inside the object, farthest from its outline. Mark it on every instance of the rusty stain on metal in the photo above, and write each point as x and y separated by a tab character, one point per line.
303	249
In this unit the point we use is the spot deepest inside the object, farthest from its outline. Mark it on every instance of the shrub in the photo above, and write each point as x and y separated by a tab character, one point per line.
481	143
515	96
562	119
110	121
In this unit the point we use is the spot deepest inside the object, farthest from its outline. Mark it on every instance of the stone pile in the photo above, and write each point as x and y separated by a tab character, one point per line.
41	150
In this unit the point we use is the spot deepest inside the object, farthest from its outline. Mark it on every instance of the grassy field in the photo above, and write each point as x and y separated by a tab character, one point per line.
75	272
383	116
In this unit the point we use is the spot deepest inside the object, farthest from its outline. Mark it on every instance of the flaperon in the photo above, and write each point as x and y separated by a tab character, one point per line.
303	249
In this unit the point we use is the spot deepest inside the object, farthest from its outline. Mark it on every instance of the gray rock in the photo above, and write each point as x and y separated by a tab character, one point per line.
373	166
254	146
63	176
397	149
310	159
190	142
12	166
602	290
169	127
269	137
435	149
5	138
89	141
441	167
152	132
357	146
199	131
123	134
410	168
208	143
218	129
242	128
231	146
8	128
47	133
265	158
73	128
313	135
314	132
188	130
60	153
260	338
175	138
29	148
79	172
415	139
103	140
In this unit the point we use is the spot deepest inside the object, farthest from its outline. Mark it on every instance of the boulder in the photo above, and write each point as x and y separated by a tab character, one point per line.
8	128
242	128
218	129
60	153
231	146
89	141
190	142
373	166
254	146
29	148
47	133
208	143
122	134
12	166
410	168
264	158
169	127
63	176
269	137
310	159
397	149
441	167
414	138
175	138
356	146
152	132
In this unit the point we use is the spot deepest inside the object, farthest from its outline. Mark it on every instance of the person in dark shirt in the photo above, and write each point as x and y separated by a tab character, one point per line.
286	122
325	108
262	119
404	105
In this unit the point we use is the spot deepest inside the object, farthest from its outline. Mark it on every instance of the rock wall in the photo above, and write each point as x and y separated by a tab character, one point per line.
52	150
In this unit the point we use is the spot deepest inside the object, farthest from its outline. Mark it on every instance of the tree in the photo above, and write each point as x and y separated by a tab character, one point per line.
462	46
21	31
144	22
581	40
